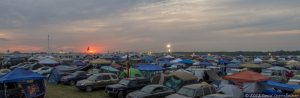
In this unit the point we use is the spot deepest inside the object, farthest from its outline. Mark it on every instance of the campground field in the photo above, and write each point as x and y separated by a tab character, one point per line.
64	91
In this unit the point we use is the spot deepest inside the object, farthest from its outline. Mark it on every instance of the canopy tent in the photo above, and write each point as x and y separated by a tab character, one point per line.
250	65
246	76
281	86
20	75
109	69
31	83
231	90
48	61
271	60
278	68
149	67
293	63
257	60
265	65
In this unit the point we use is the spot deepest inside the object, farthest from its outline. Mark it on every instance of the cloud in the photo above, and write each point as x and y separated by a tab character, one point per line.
139	25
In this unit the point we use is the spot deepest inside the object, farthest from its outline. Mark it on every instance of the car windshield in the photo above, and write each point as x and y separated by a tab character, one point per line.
124	82
186	92
93	77
147	89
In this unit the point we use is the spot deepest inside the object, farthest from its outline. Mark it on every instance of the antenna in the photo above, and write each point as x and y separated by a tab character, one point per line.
48	44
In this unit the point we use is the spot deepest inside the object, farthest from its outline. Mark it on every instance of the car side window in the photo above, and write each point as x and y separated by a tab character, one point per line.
99	78
199	93
114	76
106	77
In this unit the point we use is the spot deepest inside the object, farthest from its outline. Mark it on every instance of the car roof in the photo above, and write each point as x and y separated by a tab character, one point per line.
197	86
156	85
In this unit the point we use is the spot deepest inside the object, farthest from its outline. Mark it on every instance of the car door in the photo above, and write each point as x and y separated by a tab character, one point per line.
99	81
106	80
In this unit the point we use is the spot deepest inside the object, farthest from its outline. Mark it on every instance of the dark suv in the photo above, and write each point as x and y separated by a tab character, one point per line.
126	86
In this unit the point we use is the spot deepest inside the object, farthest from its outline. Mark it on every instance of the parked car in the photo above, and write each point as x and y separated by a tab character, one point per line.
73	78
194	91
126	86
45	71
97	81
151	91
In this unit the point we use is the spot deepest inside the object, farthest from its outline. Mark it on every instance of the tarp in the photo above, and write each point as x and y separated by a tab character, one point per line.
150	67
281	86
186	61
148	59
213	75
20	75
246	76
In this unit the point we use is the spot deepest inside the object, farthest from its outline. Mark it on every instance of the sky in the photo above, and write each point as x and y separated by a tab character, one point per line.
148	25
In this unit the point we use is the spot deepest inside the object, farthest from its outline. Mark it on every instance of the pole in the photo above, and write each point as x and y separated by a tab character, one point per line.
128	66
48	44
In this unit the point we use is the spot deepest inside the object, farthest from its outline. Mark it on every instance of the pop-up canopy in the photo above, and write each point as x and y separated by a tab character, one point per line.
20	75
246	76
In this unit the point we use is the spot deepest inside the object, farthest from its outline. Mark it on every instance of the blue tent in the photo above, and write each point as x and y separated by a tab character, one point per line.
20	75
54	77
186	61
281	86
223	62
149	67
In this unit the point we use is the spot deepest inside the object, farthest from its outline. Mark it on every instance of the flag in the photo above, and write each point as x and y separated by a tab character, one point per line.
88	49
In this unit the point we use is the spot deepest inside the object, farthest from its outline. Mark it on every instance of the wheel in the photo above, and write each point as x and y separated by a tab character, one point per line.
120	94
88	89
72	83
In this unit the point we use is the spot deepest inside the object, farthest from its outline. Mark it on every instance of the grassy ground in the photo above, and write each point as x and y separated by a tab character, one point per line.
64	91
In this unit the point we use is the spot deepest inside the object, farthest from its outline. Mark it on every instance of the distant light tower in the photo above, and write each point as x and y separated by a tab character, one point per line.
169	47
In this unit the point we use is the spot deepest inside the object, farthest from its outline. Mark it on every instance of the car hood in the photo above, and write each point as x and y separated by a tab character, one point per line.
138	94
177	96
116	86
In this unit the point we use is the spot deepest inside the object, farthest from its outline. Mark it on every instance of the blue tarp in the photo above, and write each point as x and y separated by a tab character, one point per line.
205	64
281	86
149	67
186	61
20	75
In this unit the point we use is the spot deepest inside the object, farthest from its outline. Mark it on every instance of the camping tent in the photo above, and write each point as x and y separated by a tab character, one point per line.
231	90
177	79
133	73
186	61
149	67
176	60
246	76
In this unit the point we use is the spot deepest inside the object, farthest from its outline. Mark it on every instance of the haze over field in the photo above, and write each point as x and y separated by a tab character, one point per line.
148	25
